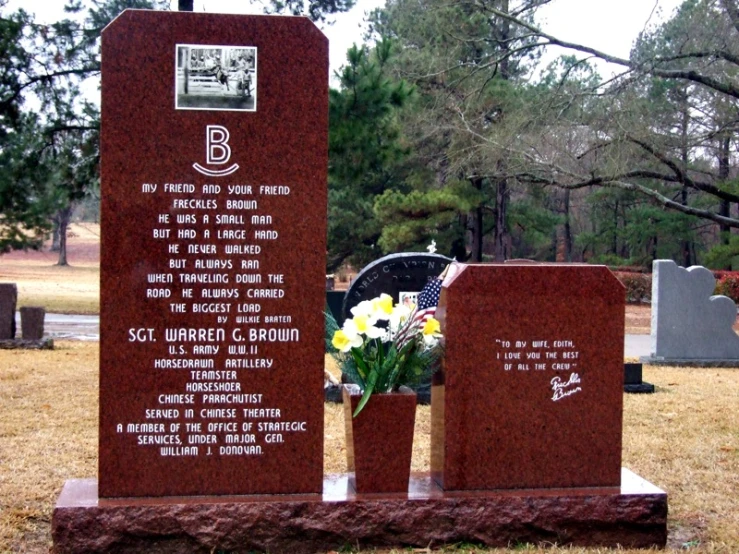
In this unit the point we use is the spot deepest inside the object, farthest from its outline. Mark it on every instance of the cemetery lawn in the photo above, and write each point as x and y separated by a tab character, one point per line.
684	439
73	289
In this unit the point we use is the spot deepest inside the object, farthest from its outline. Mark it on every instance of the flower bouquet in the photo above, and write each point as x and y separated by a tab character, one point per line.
384	346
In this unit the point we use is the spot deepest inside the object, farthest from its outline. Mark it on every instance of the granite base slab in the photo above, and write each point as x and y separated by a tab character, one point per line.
639	388
689	362
634	516
27	344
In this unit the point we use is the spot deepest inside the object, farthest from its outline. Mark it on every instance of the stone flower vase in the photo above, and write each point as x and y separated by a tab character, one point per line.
379	441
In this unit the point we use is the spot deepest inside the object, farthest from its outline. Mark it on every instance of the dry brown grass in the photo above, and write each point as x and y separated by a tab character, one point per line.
71	289
684	439
58	289
48	433
638	319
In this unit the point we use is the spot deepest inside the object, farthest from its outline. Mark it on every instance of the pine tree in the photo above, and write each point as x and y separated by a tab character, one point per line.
366	153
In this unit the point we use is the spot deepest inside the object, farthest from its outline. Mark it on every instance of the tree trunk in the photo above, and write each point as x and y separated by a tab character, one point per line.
614	236
558	245
64	215
625	250
725	210
459	245
685	158
55	235
723	175
501	201
567	228
477	227
687	259
501	192
655	244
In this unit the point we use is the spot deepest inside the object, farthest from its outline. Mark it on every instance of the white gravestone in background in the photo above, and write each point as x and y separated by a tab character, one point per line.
689	322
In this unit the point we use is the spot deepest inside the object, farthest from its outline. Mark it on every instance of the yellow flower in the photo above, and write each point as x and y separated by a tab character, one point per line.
431	327
362	322
364	325
344	342
340	340
382	306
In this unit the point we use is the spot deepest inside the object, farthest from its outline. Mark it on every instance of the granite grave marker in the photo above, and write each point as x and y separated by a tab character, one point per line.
174	285
32	322
214	157
633	380
394	274
690	325
8	300
530	392
633	515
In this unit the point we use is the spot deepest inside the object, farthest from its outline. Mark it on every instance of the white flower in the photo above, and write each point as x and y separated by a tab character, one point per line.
399	316
363	308
430	340
362	325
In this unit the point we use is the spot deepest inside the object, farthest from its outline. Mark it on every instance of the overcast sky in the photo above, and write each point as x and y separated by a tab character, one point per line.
608	25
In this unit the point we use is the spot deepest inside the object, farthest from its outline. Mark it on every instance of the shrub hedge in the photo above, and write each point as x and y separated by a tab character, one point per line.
727	283
639	285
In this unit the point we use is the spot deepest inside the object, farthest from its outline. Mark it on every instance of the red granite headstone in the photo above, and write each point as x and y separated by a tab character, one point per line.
214	159
530	395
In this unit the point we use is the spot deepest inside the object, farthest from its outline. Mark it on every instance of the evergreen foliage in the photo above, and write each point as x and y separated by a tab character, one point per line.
721	256
366	153
441	130
410	220
49	155
470	70
316	10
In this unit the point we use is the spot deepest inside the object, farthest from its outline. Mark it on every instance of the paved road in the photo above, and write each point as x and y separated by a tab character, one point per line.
62	326
637	346
87	327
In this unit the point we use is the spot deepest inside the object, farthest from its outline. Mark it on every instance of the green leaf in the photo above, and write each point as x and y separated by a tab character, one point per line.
362	368
369	389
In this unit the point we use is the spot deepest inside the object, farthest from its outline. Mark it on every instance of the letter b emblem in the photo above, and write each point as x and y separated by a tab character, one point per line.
218	150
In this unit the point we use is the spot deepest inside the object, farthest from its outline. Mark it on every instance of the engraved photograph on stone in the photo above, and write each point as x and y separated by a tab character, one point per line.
216	77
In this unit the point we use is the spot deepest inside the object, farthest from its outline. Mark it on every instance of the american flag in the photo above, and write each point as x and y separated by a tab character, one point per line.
428	299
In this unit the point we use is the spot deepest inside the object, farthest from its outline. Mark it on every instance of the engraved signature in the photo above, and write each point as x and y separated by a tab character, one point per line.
563	389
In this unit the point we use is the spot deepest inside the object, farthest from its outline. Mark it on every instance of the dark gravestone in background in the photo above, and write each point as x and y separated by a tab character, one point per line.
531	389
334	302
213	258
633	379
393	274
32	322
8	300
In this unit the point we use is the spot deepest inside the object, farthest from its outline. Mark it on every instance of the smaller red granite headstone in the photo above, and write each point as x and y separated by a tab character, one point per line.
530	394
